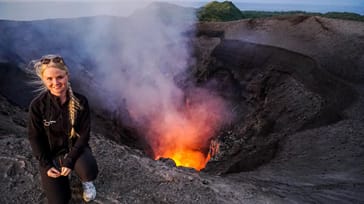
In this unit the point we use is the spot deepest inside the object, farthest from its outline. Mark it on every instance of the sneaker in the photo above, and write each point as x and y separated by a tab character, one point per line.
89	191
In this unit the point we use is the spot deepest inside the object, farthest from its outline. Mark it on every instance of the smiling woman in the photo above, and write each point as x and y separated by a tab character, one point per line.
59	131
55	79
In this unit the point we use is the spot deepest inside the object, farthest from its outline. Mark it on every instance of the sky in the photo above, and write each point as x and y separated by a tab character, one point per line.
44	9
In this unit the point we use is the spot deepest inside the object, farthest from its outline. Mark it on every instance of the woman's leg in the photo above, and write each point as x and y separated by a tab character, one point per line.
86	169
57	190
86	166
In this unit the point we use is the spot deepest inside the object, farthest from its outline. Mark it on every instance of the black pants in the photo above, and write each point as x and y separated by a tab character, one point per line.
58	189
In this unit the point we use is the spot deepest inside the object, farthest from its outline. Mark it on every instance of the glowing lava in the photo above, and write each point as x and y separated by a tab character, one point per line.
187	158
185	136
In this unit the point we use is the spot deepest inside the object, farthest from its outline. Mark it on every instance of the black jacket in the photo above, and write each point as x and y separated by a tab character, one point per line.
57	117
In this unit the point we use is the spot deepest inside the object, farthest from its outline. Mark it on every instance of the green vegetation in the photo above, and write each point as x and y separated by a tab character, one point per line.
265	14
227	11
338	15
344	15
215	11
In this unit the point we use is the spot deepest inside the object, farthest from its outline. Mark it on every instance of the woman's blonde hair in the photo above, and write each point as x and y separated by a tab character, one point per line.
57	61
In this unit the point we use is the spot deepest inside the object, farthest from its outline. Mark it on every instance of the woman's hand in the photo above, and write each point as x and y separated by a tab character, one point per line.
53	172
65	171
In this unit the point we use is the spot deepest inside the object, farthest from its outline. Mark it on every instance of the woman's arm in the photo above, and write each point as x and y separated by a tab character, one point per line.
37	137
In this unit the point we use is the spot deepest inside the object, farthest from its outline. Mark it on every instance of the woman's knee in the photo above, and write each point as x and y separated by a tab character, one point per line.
86	166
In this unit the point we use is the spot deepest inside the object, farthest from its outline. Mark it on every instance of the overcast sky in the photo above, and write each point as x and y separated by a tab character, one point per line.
254	1
43	9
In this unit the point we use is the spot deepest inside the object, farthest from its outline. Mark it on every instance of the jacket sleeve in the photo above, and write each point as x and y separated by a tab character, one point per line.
37	137
83	127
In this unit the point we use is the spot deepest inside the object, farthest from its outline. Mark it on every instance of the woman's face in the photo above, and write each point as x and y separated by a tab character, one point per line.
55	80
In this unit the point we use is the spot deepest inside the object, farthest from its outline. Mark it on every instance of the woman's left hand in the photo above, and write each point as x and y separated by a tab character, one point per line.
65	171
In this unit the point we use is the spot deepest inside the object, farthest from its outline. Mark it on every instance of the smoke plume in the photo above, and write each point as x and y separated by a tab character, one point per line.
138	63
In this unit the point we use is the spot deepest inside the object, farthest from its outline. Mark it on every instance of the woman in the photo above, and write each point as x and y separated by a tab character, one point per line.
59	132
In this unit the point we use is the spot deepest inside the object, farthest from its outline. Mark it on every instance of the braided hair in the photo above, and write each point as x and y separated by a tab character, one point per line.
73	106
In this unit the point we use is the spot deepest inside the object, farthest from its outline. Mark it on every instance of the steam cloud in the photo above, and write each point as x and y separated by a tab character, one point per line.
139	67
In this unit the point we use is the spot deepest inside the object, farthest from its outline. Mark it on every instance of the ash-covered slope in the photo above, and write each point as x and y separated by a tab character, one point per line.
126	175
302	104
305	170
336	44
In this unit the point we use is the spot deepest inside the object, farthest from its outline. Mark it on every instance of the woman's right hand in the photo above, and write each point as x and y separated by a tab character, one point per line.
53	172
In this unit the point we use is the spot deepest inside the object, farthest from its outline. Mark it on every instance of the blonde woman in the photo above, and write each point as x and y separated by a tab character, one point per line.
59	132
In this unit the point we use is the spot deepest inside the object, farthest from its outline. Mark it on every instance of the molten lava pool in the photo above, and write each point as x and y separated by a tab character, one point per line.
185	137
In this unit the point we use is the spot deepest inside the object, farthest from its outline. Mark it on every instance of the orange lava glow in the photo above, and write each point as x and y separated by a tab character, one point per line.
186	137
187	158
